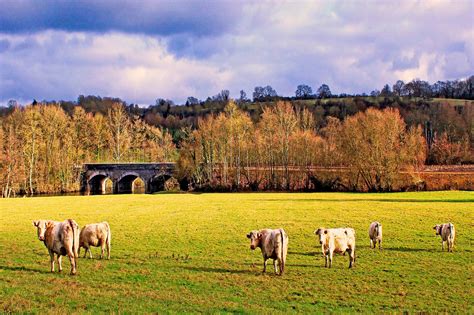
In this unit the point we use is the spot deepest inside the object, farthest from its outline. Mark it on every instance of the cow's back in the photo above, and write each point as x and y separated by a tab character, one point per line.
343	238
89	235
373	230
272	243
60	236
447	231
94	233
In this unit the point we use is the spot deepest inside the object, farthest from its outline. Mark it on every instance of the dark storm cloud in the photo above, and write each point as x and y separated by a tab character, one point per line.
164	18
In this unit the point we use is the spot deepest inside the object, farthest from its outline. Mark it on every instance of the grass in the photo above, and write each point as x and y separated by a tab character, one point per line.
188	253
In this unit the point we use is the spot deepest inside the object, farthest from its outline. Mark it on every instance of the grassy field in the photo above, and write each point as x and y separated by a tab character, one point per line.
189	253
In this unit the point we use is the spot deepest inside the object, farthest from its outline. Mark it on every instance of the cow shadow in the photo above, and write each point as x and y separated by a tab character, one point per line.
407	249
304	253
22	268
218	270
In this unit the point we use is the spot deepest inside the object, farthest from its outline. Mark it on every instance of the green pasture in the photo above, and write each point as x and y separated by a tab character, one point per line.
175	253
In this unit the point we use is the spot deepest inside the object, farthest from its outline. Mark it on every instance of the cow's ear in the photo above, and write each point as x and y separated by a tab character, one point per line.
316	231
248	235
35	223
259	235
435	227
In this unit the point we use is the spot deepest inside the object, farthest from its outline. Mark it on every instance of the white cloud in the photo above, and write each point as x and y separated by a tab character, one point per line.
135	68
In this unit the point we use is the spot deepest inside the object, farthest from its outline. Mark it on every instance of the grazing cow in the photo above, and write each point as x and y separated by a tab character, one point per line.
447	233
95	234
274	245
375	234
339	241
60	238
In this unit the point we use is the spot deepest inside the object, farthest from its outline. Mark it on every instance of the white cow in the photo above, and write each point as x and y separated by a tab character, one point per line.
274	245
95	234
339	241
375	234
60	238
447	233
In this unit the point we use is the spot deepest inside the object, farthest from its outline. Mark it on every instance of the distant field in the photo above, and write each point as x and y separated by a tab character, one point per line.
189	253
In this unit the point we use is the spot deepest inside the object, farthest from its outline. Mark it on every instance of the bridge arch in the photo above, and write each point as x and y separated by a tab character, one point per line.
125	184
157	182
97	184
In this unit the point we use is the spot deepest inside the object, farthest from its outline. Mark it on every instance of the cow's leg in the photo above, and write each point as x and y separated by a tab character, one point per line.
88	249
380	244
330	259
264	265
72	260
59	263
442	245
275	265
51	256
371	243
107	243
326	260
102	249
351	257
281	264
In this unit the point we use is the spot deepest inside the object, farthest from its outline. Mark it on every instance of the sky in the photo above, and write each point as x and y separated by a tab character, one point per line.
141	50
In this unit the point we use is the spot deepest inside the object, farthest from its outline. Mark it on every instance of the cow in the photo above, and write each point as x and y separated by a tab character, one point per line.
375	234
273	244
339	241
447	233
60	238
95	234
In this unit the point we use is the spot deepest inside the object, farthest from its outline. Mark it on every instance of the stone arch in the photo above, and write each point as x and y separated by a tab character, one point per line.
125	183
97	183
157	182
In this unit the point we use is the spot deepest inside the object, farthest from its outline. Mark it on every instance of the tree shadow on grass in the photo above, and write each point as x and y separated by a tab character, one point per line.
22	268
371	200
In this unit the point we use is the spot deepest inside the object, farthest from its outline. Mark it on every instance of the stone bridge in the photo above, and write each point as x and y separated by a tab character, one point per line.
94	177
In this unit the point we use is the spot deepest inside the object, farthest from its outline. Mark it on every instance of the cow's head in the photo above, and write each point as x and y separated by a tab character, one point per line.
255	238
41	226
437	228
322	233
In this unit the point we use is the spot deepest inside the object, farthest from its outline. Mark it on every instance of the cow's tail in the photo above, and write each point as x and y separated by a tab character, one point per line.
451	228
75	241
108	239
282	252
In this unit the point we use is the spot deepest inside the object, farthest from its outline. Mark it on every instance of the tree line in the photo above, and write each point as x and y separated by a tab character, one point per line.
43	146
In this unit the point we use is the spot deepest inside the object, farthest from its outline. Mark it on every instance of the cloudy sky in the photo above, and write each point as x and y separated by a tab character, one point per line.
141	50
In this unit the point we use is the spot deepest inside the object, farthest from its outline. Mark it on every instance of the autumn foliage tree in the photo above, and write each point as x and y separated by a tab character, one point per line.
376	146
